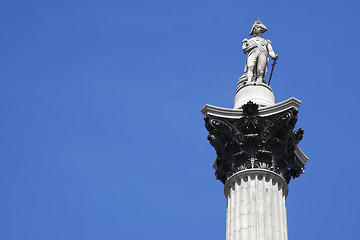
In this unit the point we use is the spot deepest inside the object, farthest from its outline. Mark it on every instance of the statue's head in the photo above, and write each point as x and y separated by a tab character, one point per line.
258	28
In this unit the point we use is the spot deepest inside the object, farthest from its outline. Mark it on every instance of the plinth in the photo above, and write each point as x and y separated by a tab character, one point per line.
257	156
260	93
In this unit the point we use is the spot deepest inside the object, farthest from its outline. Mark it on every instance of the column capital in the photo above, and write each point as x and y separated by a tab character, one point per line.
253	141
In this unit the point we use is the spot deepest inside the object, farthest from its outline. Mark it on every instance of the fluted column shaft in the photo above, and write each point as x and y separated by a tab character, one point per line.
256	206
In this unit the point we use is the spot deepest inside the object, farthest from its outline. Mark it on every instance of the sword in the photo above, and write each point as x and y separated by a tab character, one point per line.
272	69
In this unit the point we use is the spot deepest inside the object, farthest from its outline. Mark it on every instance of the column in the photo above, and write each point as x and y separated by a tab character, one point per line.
256	206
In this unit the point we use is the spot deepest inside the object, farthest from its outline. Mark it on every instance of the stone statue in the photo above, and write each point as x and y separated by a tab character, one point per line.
259	50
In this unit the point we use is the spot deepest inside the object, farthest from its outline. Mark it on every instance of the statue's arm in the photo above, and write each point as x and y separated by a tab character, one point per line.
247	46
271	51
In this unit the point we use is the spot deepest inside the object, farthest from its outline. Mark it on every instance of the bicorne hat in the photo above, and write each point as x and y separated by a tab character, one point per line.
258	23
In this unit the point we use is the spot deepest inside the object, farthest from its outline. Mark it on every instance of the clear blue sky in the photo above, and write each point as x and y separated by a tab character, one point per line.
101	133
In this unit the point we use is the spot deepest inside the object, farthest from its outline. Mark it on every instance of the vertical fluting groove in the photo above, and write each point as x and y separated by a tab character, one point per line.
273	225
250	210
237	208
264	202
257	205
233	202
261	208
243	209
228	213
244	227
253	207
285	218
268	209
248	207
281	209
230	207
256	209
231	213
276	210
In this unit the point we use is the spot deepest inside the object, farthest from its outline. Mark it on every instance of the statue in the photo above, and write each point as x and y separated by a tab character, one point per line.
259	50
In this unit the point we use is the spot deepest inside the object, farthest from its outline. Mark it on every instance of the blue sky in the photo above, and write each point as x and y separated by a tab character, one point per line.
102	135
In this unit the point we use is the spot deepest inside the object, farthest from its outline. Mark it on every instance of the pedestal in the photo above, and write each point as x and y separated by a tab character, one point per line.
259	93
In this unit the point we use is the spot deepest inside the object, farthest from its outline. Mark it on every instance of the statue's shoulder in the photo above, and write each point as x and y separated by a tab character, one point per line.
264	40
253	39
258	39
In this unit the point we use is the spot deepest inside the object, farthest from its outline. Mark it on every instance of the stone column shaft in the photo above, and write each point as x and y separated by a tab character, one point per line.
256	206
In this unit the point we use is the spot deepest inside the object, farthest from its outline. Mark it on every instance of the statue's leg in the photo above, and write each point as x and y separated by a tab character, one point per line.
261	65
251	62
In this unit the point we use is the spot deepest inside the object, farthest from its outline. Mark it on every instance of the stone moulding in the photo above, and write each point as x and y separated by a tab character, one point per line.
256	138
263	111
300	155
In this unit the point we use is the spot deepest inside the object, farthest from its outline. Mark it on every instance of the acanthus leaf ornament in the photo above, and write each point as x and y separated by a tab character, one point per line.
255	142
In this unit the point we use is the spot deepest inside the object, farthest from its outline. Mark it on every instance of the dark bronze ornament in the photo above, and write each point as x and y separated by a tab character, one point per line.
255	142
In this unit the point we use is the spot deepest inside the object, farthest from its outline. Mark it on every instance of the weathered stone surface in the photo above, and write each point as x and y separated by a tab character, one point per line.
256	142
